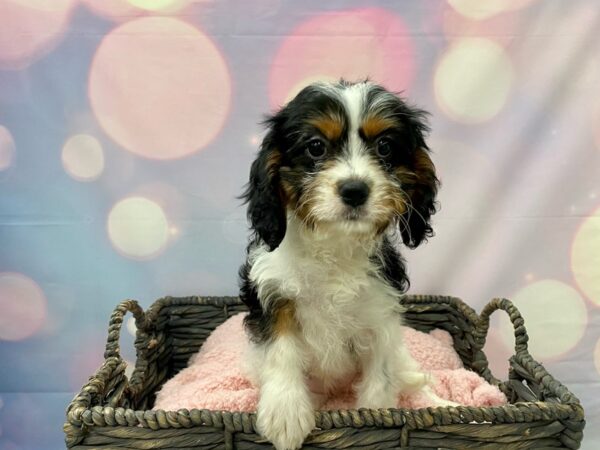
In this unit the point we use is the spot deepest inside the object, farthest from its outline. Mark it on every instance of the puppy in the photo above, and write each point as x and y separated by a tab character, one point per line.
342	173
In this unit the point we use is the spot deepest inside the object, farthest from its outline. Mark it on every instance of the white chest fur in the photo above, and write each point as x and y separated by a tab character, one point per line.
339	300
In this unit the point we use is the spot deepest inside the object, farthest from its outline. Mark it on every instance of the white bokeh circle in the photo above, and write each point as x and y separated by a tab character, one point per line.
555	317
83	157
473	79
138	228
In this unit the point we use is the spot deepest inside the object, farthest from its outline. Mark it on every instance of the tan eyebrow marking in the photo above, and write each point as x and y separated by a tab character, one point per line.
375	125
332	126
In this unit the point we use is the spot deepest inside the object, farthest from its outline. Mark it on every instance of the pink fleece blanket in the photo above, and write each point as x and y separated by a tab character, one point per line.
215	380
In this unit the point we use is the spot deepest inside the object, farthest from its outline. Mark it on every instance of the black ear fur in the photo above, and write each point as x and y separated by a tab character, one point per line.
415	225
266	210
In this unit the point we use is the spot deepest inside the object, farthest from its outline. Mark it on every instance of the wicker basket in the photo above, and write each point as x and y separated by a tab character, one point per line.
112	412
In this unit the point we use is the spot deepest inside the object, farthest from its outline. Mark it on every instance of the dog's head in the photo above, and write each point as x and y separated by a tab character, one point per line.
344	155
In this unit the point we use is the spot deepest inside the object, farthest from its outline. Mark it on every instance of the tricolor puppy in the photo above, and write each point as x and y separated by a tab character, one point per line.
343	172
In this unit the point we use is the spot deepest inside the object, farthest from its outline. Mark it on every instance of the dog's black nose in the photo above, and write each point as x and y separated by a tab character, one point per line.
353	192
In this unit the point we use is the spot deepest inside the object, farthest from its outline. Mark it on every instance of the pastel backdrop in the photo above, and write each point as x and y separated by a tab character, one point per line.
127	128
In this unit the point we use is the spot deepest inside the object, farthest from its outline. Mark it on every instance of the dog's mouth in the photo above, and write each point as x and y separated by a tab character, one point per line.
355	220
354	214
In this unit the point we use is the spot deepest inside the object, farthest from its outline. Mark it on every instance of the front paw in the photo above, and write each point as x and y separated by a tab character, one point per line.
285	421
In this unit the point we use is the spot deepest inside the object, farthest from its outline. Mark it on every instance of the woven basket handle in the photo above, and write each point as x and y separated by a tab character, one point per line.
116	323
481	331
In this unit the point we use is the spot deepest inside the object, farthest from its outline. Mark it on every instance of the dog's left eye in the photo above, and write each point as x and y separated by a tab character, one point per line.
316	149
383	147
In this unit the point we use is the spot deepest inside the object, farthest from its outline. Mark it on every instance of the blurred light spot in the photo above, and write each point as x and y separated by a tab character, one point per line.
30	29
529	277
131	327
352	44
173	231
138	228
585	257
597	356
22	306
159	87
555	317
478	9
82	157
592	195
7	148
473	79
159	5
119	10
254	140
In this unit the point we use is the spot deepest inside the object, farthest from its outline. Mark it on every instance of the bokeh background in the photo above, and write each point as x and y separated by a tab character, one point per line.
127	128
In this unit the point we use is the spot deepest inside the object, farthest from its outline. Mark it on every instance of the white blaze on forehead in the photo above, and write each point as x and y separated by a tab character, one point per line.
357	163
354	98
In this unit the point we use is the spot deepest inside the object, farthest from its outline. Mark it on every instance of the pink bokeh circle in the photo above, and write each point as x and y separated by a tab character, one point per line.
350	44
22	306
30	29
160	87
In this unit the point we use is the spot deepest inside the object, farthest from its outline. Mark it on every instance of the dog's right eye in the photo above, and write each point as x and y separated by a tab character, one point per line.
316	149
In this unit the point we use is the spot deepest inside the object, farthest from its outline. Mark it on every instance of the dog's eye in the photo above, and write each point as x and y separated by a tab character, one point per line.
316	149
384	147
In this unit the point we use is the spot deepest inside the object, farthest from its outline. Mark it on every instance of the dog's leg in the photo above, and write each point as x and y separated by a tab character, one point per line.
285	415
378	387
390	370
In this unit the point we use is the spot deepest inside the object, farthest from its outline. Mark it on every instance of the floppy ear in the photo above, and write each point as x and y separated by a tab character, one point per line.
266	210
422	188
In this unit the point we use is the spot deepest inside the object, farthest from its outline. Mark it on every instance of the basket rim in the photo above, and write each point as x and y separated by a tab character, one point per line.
82	414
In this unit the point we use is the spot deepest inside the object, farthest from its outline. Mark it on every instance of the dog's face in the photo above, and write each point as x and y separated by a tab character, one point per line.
347	156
